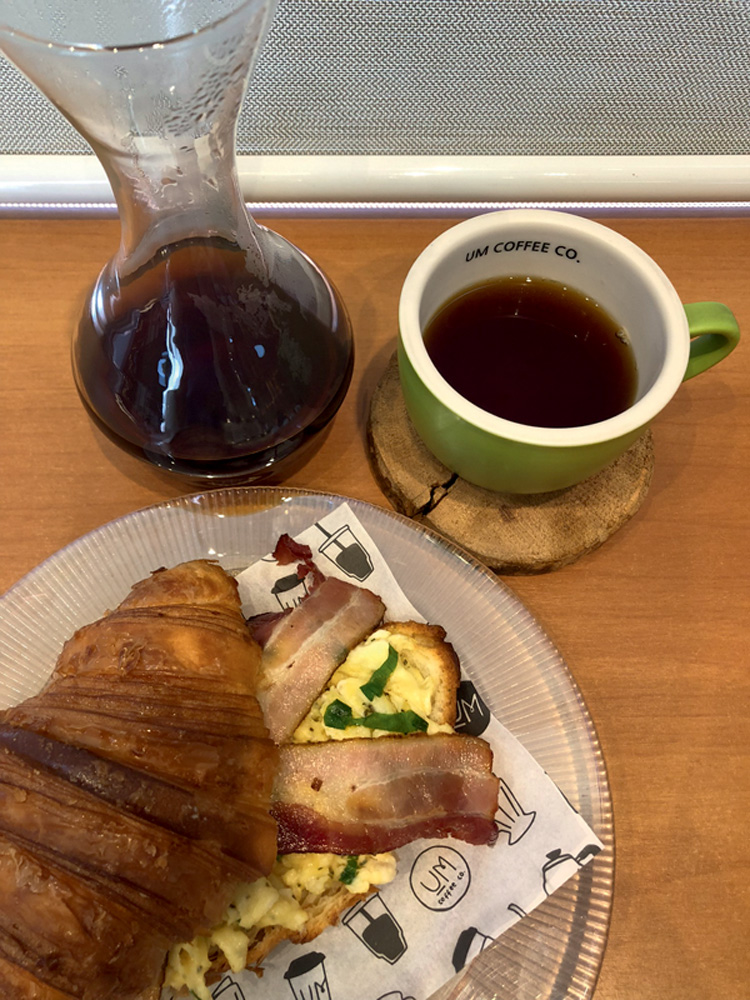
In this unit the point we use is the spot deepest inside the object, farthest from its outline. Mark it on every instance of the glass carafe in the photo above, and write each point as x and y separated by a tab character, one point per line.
209	345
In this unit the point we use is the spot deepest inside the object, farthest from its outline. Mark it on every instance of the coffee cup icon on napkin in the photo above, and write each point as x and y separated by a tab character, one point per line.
377	928
470	943
289	590
345	550
307	977
227	990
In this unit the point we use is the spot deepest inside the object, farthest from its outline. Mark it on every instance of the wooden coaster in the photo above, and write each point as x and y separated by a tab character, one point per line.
507	532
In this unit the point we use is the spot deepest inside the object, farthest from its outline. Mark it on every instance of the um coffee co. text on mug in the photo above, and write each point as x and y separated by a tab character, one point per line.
533	246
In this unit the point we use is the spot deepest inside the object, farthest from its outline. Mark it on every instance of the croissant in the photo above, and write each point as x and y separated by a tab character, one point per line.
134	792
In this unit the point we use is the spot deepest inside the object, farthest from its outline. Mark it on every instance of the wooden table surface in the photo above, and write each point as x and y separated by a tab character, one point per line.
654	624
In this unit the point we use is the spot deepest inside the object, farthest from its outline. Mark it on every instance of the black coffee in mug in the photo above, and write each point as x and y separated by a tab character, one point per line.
534	351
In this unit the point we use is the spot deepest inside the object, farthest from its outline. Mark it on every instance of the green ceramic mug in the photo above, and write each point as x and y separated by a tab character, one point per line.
671	343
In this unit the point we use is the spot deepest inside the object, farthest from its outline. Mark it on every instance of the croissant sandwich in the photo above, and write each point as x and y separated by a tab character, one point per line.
171	803
134	792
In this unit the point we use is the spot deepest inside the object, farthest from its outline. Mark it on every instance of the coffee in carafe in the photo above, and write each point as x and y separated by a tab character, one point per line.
205	371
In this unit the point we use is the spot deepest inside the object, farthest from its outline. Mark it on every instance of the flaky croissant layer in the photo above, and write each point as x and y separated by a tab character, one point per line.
134	792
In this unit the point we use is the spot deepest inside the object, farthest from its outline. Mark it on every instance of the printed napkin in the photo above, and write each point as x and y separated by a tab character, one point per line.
449	899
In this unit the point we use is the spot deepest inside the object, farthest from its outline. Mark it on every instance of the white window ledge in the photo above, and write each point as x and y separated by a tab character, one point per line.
413	185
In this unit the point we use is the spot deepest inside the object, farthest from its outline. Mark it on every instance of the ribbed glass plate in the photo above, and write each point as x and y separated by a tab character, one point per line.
555	952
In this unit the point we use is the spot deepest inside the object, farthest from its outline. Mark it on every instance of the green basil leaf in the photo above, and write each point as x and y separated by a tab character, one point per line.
376	684
398	722
338	715
350	869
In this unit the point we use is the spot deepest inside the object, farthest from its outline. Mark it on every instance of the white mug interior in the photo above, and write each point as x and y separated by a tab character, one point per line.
578	252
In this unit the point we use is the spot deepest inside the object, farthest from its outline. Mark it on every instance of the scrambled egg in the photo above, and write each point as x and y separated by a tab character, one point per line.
276	901
408	688
296	879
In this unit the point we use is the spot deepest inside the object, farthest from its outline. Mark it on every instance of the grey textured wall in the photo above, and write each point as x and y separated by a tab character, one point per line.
491	77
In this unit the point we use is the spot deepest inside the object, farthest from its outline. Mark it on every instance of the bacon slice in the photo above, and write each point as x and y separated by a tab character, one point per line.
370	796
288	550
307	645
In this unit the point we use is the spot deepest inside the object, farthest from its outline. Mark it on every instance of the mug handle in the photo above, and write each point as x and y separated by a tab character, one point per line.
714	333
